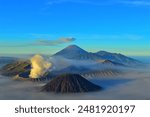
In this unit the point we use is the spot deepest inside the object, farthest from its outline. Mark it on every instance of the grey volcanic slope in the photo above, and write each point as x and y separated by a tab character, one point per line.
70	83
15	68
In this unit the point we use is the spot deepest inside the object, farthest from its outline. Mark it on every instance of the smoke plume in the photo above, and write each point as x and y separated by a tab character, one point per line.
39	66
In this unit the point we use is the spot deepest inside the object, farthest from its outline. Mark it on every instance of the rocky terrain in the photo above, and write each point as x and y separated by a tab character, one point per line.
70	83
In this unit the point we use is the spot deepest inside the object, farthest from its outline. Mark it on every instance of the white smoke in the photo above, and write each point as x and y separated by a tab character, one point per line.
39	66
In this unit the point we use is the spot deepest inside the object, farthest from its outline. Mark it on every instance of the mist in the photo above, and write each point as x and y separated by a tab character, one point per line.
60	62
129	84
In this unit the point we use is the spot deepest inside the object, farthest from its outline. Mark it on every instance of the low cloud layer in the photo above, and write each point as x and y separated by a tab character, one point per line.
133	85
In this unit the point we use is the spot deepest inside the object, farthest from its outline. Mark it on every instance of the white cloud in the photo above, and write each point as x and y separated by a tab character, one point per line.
44	42
136	3
88	2
103	3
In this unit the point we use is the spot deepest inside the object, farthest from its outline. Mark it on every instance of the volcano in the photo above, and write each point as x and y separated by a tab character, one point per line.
20	70
15	68
77	53
70	83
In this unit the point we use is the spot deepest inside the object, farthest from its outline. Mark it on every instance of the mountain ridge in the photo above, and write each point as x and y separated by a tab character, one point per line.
77	53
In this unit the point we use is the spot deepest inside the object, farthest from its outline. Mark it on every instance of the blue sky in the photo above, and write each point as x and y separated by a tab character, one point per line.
121	26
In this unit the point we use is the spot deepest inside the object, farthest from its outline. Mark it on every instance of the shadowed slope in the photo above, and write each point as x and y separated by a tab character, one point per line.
70	83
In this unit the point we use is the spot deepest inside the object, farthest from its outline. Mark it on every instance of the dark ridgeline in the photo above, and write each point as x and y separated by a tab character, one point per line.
70	83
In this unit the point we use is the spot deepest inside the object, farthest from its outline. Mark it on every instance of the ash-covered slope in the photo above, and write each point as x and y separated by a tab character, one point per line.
16	68
70	83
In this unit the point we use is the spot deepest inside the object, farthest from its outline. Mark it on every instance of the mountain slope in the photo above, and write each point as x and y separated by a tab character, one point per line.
77	53
70	83
109	63
118	58
15	68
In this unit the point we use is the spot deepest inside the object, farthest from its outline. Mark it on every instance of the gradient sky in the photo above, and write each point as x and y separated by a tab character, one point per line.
121	26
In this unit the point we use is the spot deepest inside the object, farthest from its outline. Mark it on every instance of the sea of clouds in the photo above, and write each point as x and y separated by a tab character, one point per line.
132	85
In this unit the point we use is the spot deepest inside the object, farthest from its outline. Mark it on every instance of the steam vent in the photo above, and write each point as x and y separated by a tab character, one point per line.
70	83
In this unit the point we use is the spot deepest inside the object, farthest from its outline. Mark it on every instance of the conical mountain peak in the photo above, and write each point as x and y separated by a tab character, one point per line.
71	51
75	48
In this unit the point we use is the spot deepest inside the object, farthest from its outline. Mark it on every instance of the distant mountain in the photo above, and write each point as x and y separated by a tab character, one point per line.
77	53
70	83
118	58
6	60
